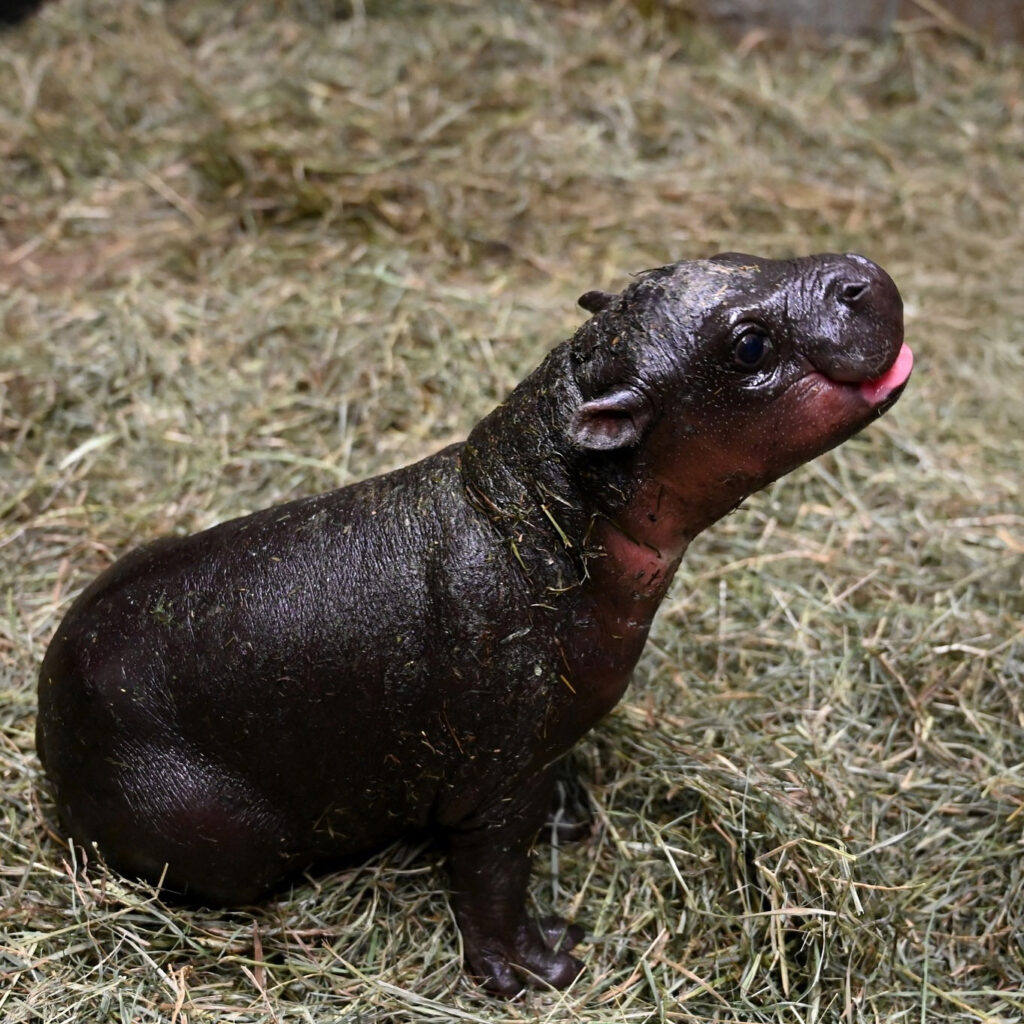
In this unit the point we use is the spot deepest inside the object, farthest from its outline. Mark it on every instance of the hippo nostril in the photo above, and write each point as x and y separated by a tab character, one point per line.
853	292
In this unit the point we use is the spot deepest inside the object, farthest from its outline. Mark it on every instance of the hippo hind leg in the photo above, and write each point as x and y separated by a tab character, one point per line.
187	824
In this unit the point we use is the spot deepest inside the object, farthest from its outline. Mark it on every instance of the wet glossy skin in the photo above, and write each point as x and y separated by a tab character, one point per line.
418	650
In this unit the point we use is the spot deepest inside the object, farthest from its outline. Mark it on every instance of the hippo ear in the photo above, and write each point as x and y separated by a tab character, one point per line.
594	302
615	420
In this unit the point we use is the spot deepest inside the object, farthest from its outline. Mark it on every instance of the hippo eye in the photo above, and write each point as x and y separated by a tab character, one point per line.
751	350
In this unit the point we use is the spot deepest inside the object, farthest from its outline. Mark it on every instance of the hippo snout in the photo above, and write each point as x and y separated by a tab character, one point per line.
857	326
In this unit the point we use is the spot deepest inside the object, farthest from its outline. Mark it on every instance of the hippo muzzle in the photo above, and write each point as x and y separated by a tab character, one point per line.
853	327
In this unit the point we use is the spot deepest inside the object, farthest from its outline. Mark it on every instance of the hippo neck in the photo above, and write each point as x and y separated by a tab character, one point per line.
517	474
573	523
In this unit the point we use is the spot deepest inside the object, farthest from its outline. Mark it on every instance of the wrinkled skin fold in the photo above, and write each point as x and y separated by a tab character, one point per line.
419	649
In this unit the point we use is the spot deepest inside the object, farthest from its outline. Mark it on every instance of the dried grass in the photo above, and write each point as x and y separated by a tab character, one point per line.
253	251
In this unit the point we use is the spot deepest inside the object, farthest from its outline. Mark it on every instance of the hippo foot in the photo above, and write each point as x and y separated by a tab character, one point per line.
535	958
559	934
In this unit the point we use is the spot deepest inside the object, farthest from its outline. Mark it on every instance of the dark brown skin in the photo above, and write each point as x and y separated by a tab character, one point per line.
419	649
13	12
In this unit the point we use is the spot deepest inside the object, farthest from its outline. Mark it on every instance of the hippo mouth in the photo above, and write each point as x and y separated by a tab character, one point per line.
832	409
885	388
878	393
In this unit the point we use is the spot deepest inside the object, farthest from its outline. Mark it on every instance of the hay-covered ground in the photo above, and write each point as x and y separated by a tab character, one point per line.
251	251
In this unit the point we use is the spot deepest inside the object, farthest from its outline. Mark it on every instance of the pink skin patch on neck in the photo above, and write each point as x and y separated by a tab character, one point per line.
875	391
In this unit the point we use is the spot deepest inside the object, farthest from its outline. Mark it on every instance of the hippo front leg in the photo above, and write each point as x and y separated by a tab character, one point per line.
506	948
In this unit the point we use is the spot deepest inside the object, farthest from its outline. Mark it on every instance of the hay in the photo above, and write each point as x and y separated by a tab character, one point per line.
252	251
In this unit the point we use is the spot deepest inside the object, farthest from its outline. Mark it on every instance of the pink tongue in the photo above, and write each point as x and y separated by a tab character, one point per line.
878	390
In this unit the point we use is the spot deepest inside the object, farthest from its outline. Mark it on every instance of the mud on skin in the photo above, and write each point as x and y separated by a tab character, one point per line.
419	649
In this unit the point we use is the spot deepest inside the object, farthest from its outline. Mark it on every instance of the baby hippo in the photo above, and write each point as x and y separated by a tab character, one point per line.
418	650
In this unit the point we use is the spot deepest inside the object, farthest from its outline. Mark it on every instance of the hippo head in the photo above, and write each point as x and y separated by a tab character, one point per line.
714	377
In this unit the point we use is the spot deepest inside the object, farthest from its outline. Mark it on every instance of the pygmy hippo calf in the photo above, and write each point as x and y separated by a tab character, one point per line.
419	649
